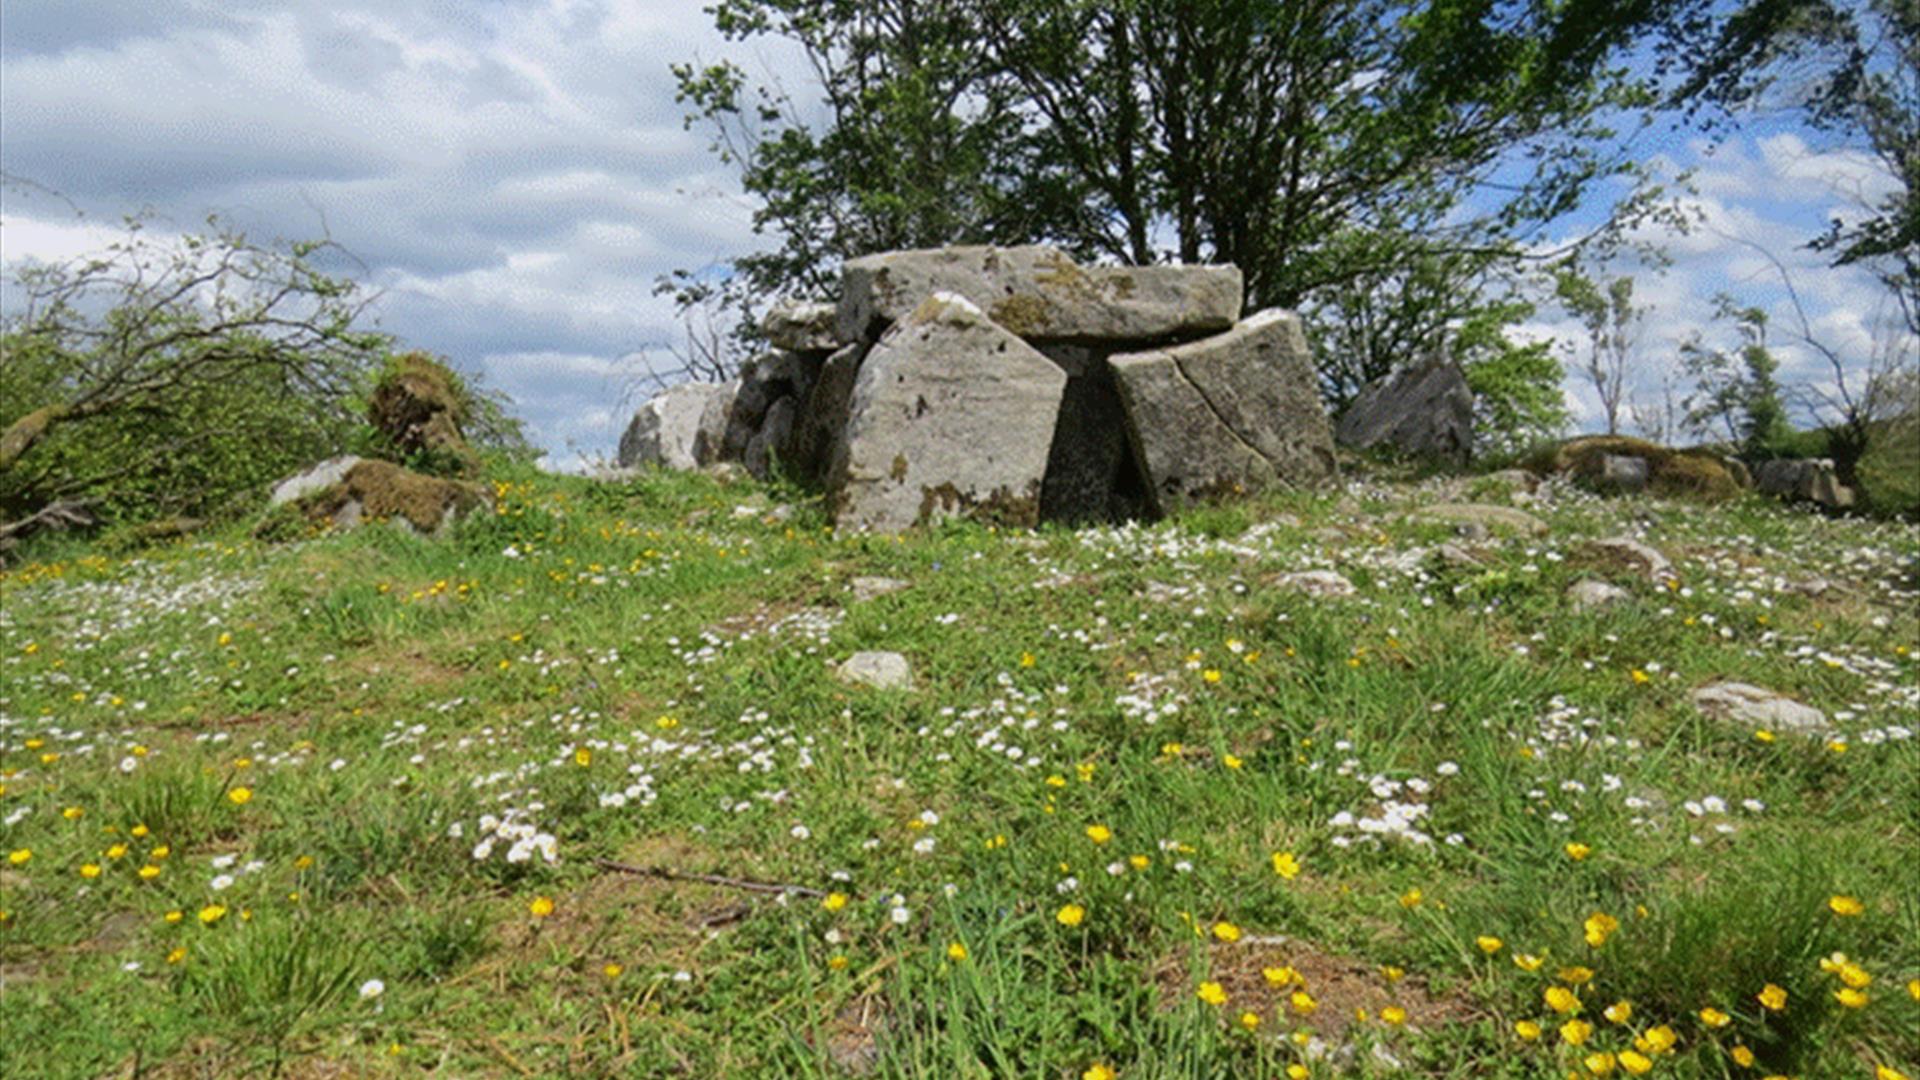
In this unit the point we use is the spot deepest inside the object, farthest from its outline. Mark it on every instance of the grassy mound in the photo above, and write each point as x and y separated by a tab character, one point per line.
576	792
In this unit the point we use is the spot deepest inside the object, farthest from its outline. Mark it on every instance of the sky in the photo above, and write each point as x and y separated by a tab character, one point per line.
513	177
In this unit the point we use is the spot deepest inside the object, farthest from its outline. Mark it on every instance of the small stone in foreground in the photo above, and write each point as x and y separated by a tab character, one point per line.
1757	707
1315	583
869	588
1590	594
1644	559
879	670
1484	515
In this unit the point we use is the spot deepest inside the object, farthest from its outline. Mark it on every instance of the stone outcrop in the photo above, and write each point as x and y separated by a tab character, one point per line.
801	326
1011	385
666	430
348	492
1040	294
1422	410
950	415
1229	414
1811	480
418	405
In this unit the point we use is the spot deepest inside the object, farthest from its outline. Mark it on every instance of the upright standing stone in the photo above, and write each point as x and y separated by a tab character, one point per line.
950	415
1424	409
1040	294
665	430
1228	414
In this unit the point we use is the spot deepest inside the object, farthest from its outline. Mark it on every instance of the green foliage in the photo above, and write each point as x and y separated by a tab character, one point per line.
1328	150
1735	391
174	376
1612	323
1889	473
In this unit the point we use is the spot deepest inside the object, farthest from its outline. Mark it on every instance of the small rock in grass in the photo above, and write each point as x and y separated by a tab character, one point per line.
1315	583
1625	549
1590	594
868	588
1757	707
879	670
1485	516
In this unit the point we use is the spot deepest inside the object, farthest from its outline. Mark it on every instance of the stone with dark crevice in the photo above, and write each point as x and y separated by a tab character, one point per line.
951	415
1226	415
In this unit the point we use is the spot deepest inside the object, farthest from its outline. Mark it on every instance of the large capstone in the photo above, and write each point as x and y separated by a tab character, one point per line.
665	431
1040	294
1424	410
950	415
1228	414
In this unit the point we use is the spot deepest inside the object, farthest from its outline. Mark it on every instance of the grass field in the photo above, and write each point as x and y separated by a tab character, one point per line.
577	793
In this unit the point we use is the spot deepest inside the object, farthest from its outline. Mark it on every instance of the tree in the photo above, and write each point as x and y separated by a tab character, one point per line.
1859	390
1737	391
168	375
1612	324
1850	70
1316	144
1442	303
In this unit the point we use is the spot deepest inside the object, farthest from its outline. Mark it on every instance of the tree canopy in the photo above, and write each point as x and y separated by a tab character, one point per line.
1320	146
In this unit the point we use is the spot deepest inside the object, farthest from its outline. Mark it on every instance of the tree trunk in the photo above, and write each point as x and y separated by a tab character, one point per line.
24	432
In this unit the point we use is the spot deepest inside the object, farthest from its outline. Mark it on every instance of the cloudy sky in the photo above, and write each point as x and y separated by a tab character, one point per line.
514	176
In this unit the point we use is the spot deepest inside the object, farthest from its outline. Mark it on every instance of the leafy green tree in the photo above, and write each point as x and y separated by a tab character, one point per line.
1612	323
174	375
1736	390
1848	70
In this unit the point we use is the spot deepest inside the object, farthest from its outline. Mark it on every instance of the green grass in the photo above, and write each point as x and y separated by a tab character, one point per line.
640	674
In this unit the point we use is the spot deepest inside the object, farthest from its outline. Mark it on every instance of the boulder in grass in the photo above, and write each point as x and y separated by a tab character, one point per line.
1813	480
1230	414
1039	293
877	670
1590	595
370	491
1757	708
950	415
1625	551
665	431
1423	410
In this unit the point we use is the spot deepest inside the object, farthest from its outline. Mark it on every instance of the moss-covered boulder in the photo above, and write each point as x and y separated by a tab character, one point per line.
1686	474
418	406
347	492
